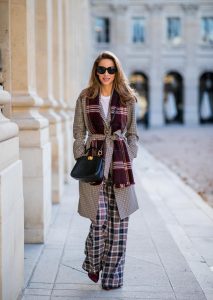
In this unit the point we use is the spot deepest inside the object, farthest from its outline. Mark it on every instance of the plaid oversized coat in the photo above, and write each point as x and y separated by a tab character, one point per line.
89	194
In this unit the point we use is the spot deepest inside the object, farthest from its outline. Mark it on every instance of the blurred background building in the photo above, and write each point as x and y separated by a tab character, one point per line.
166	48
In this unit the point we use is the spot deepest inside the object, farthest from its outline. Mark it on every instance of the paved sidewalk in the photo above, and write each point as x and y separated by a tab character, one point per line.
185	149
169	249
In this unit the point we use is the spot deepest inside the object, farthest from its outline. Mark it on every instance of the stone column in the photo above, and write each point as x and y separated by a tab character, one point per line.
44	90
70	63
191	107
34	130
156	78
63	35
40	44
80	47
73	53
11	181
57	139
11	207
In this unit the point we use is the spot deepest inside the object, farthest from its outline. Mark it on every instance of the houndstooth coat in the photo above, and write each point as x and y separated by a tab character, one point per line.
89	194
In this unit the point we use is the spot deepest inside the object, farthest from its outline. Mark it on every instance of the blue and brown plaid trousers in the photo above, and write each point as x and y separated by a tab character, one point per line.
105	245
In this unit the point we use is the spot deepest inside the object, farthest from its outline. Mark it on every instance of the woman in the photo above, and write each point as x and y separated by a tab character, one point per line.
105	114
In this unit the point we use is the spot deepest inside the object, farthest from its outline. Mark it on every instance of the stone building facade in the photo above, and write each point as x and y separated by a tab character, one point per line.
166	48
43	67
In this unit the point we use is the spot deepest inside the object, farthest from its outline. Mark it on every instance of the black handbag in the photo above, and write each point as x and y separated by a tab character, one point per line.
89	168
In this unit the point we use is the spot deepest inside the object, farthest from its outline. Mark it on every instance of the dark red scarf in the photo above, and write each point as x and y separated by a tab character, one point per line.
122	175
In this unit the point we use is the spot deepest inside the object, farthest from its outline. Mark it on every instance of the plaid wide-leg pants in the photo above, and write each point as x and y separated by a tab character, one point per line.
105	245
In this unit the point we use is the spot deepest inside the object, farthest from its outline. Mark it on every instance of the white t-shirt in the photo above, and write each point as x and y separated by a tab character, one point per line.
105	104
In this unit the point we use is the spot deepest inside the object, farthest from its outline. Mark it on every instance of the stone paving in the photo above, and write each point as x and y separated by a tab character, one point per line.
169	249
187	150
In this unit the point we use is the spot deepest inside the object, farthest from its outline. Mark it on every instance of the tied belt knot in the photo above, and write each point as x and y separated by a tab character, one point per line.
109	139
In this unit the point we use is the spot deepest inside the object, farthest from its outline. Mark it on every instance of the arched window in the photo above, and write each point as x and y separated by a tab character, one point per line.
206	98
173	98
139	81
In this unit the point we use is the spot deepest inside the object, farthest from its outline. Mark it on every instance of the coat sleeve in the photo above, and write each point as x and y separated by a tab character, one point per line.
131	133
79	130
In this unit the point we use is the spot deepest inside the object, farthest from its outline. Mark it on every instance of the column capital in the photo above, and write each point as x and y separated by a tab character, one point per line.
190	9
119	8
148	7
155	8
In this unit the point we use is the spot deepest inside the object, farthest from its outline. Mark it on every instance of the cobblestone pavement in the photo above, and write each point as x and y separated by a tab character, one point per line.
188	151
169	249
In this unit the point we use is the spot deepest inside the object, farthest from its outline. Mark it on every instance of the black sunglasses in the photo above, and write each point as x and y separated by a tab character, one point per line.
110	70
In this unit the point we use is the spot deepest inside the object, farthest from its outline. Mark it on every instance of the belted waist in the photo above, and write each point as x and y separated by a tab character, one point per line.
107	135
109	139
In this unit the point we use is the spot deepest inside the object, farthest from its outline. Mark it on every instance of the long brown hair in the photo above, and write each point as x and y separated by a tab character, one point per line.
120	83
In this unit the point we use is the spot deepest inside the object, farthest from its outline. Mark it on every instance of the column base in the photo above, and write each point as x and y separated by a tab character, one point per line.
34	236
37	191
12	231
